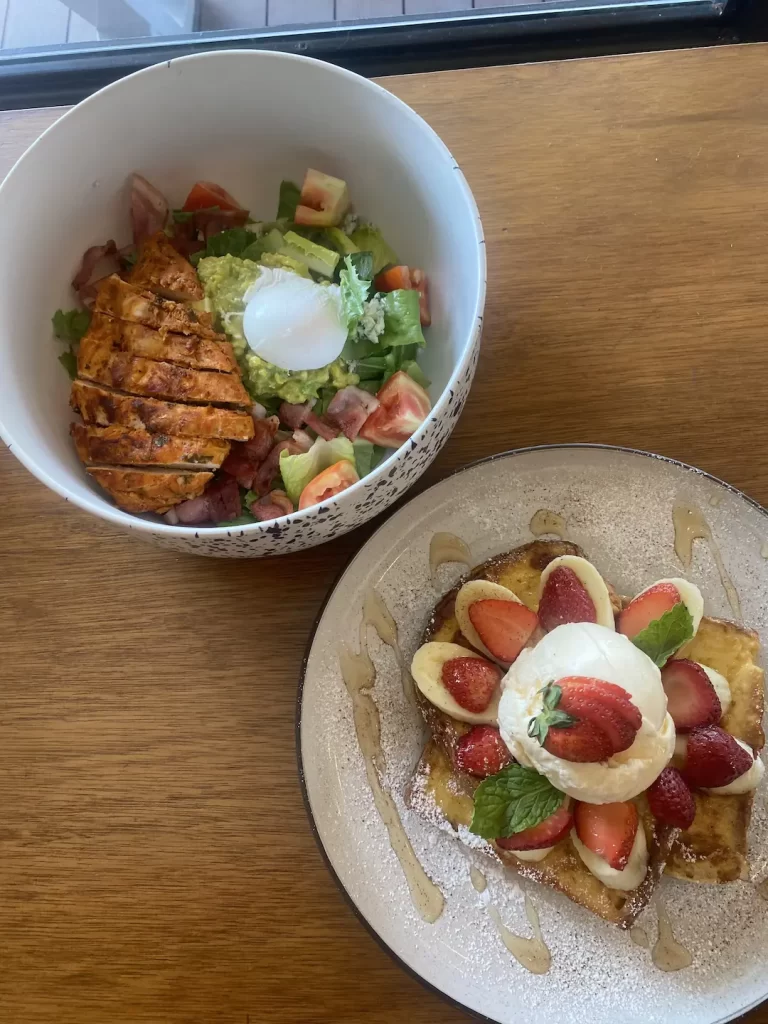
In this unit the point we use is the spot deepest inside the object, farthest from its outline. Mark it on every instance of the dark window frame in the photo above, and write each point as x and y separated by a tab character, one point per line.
561	30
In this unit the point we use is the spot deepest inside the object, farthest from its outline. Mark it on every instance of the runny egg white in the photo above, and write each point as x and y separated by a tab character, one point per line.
293	322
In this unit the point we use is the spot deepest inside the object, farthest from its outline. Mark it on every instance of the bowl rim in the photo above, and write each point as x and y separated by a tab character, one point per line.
132	521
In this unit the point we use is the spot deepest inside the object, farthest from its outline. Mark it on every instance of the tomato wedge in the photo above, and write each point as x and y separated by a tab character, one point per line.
403	407
333	480
411	279
205	194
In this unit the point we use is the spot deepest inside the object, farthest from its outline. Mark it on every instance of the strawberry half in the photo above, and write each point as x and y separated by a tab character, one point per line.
608	830
505	627
585	719
546	833
482	752
646	607
471	682
670	799
565	599
714	758
692	700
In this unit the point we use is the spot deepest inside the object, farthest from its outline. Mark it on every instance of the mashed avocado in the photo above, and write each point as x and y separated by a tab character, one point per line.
226	279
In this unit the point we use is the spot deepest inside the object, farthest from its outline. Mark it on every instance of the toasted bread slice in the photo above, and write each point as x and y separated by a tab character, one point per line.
101	407
160	268
184	349
714	848
150	489
118	445
97	361
119	299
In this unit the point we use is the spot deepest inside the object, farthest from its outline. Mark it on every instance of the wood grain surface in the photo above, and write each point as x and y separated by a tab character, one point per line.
156	864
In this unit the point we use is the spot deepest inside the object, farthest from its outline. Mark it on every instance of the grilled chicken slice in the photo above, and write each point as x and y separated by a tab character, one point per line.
152	489
160	268
123	301
118	445
184	349
101	407
96	361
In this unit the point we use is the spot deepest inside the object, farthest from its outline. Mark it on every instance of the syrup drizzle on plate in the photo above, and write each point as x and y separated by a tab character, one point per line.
639	936
668	954
447	547
359	675
478	879
532	954
377	615
690	525
546	522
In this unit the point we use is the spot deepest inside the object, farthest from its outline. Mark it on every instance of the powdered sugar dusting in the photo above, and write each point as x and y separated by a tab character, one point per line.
618	507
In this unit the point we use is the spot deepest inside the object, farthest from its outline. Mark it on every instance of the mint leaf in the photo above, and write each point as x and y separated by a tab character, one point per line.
662	637
71	324
513	800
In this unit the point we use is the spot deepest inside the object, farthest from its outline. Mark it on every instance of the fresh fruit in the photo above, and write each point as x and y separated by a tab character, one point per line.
565	599
546	833
670	799
692	700
585	719
471	682
205	195
646	607
482	752
333	480
504	626
323	201
608	830
403	407
411	279
714	758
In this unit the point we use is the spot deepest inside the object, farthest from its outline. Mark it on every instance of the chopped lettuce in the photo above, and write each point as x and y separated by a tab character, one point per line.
288	201
68	360
298	470
402	321
363	264
367	238
71	324
232	242
354	292
416	373
364	456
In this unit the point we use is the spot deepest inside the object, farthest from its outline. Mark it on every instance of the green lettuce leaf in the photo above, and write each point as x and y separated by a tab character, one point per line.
416	373
513	800
354	292
232	242
68	360
298	470
665	635
368	238
363	264
364	456
288	201
402	321
71	324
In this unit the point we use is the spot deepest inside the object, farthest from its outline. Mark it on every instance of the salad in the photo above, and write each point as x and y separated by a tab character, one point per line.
229	370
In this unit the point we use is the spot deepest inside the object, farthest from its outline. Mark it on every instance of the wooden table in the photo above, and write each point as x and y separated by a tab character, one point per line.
156	864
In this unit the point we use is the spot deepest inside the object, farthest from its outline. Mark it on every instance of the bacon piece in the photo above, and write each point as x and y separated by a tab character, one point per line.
350	408
271	465
294	416
320	427
272	506
81	282
149	209
245	458
196	510
220	501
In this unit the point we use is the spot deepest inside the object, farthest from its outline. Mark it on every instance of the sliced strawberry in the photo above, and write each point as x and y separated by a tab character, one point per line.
582	742
714	758
546	833
691	698
670	799
565	599
504	626
482	752
608	830
646	607
603	704
471	682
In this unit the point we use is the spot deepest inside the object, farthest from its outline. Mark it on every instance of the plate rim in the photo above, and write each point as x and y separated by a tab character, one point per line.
566	446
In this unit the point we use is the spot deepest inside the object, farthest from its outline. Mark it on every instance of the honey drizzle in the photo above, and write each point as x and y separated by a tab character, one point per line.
668	954
547	522
377	615
690	525
532	954
447	547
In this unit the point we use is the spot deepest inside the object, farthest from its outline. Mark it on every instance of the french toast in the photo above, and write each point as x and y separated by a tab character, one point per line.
712	849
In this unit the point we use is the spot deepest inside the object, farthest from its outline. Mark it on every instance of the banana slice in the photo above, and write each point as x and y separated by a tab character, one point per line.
591	580
480	590
533	856
427	671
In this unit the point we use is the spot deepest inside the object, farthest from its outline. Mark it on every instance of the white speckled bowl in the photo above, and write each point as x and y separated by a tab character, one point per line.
246	119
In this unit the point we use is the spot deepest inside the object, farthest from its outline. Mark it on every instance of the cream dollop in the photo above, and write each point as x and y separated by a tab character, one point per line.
587	649
629	877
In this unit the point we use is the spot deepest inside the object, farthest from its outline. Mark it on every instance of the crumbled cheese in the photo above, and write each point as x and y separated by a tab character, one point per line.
370	327
350	223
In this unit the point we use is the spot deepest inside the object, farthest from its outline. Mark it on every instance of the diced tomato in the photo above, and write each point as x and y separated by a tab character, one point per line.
403	407
411	279
206	194
333	480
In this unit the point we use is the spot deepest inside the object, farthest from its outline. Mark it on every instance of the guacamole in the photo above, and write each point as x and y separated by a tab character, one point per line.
226	279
